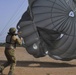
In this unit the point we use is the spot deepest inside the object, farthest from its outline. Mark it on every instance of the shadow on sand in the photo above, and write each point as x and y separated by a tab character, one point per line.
41	64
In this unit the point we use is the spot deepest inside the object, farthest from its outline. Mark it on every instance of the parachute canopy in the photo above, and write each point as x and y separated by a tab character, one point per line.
49	28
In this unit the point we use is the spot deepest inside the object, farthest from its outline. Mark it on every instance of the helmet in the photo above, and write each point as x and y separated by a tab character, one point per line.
12	30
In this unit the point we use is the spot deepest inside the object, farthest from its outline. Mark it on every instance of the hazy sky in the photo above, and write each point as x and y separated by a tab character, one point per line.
10	13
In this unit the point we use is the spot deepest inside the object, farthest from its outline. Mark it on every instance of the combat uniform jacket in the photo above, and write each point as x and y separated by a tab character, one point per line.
11	41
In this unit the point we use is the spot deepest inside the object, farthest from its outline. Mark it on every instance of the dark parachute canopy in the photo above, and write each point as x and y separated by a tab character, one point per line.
49	28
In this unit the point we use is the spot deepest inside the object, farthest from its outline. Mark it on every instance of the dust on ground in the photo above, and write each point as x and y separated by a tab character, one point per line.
28	65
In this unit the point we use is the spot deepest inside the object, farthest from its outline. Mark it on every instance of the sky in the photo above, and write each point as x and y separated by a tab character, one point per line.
10	14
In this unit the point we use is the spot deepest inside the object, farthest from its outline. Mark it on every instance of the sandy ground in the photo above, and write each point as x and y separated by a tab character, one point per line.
28	65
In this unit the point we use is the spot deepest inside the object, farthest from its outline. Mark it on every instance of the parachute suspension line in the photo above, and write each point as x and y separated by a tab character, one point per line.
2	41
31	14
17	14
11	18
5	26
2	38
16	11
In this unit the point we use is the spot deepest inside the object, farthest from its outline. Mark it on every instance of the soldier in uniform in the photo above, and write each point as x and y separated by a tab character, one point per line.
11	40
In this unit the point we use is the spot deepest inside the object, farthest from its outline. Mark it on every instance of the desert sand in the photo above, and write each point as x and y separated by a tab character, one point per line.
28	65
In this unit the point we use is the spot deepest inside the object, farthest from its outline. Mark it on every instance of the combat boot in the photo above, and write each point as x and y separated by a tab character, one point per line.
10	73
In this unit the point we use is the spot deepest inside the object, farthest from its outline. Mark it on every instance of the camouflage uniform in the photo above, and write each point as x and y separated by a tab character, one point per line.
11	41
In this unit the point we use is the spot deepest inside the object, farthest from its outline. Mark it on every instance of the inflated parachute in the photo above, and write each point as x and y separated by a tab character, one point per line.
49	28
